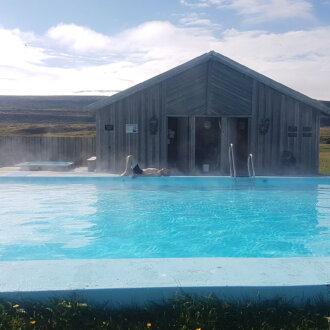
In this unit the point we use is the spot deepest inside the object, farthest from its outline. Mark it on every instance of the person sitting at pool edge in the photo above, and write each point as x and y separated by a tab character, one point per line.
133	168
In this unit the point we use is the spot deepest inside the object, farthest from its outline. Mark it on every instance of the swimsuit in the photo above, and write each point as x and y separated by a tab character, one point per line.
136	169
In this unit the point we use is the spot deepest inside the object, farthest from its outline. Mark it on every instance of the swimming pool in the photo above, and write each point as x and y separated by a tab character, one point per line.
173	217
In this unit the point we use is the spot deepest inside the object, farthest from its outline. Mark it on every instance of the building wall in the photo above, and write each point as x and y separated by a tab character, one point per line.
114	145
229	91
186	93
286	116
211	89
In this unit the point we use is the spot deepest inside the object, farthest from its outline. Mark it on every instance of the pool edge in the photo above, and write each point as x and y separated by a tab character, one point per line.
137	282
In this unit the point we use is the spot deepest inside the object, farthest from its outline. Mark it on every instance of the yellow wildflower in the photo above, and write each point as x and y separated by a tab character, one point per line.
82	304
149	325
33	322
16	306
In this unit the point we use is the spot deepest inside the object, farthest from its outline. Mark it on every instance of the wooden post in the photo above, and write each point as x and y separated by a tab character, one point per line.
192	130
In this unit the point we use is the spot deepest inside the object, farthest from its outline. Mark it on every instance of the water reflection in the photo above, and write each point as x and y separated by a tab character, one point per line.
40	215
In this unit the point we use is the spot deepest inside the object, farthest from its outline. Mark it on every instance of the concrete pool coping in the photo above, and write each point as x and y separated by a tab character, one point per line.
139	281
83	172
80	171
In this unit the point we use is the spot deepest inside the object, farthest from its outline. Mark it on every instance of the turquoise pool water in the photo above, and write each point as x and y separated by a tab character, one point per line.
94	218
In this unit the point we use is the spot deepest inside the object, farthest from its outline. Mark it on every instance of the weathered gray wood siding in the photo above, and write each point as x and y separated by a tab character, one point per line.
209	89
185	93
113	146
228	136
17	149
229	92
283	112
182	95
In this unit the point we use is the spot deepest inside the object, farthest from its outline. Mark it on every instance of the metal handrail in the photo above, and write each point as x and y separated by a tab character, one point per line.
251	167
232	166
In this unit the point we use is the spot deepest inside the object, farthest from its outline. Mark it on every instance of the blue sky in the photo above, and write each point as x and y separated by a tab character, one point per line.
101	46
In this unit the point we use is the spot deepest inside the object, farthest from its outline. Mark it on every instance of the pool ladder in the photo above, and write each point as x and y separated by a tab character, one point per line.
232	166
250	166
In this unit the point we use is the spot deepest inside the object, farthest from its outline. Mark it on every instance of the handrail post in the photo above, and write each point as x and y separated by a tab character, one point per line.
252	164
230	161
250	160
232	166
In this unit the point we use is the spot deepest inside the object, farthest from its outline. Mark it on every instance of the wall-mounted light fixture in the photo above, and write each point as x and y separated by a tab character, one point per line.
264	126
207	124
108	127
153	125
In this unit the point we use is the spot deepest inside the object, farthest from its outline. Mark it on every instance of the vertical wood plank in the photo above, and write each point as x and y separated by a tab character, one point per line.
260	138
192	144
254	124
163	127
224	163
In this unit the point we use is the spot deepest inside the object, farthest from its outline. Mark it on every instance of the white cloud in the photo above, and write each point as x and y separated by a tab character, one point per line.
299	59
270	10
78	38
70	58
194	19
16	49
195	3
261	10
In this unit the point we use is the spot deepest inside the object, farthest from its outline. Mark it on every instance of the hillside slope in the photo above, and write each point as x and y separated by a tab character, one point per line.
46	109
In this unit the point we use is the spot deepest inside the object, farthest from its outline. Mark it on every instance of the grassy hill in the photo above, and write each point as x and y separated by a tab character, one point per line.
61	116
324	160
46	109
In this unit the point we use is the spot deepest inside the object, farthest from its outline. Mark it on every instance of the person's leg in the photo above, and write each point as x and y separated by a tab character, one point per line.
128	168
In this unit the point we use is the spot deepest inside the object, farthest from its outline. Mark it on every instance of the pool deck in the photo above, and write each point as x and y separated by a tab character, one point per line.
139	281
79	171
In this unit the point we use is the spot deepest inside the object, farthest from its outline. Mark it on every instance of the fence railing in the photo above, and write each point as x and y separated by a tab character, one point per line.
16	149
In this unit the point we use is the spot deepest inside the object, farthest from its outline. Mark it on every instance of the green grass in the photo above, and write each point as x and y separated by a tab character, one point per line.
324	159
325	135
324	155
183	312
48	130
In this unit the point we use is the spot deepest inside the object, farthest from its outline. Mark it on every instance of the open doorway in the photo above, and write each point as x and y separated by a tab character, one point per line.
241	146
207	144
178	144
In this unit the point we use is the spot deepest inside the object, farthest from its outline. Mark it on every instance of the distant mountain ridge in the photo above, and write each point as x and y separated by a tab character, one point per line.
46	109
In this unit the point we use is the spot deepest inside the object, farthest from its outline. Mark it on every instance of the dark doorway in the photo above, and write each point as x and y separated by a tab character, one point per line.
241	147
178	144
207	142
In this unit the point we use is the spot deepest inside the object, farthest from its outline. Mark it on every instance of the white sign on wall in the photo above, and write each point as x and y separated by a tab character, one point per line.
132	128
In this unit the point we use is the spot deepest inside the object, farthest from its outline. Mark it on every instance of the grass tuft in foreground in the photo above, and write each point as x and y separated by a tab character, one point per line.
183	312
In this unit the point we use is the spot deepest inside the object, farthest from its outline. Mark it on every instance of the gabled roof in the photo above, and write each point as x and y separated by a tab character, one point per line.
202	59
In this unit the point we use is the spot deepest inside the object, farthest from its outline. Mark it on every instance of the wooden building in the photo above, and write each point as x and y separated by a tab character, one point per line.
187	117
